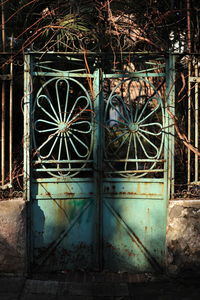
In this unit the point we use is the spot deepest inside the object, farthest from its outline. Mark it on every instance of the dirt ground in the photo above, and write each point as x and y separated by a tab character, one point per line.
97	286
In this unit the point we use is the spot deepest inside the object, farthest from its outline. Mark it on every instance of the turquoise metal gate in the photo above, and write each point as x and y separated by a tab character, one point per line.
96	164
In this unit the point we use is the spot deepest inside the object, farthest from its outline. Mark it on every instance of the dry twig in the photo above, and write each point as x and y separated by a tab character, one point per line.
182	136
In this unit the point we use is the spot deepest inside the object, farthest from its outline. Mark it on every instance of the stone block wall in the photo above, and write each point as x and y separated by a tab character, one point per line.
13	236
183	236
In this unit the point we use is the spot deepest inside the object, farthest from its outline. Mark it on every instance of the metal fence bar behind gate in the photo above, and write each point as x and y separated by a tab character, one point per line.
193	176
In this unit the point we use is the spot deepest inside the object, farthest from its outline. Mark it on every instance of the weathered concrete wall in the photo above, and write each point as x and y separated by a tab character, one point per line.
12	236
183	236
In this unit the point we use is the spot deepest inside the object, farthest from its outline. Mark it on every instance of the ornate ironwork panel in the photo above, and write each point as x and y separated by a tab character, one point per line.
97	160
134	118
63	123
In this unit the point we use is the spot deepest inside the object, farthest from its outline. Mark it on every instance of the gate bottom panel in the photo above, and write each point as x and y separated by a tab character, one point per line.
63	233
134	233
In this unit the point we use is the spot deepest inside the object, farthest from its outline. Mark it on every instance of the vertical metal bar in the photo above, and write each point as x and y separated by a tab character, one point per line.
3	100
172	135
196	122
27	103
189	124
3	133
98	158
167	173
170	92
27	147
11	114
3	27
188	26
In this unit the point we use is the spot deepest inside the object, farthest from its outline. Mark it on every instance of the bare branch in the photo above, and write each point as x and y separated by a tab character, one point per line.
182	136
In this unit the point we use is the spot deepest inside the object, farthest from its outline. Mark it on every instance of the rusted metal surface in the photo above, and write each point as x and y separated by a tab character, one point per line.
135	233
98	190
133	190
62	236
65	215
146	258
83	188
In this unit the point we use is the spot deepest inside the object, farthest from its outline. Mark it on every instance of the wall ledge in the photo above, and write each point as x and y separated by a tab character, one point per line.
185	202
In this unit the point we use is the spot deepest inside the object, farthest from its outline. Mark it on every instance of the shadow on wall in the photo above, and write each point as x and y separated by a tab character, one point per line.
12	236
11	258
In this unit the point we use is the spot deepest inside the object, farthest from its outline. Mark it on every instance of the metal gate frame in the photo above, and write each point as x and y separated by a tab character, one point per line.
98	151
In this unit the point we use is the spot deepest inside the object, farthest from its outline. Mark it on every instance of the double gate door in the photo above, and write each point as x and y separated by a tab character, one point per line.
96	167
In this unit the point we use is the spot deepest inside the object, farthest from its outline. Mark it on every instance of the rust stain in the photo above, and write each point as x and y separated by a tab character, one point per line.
152	261
108	245
132	193
48	257
129	253
48	194
138	189
61	212
125	193
71	195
